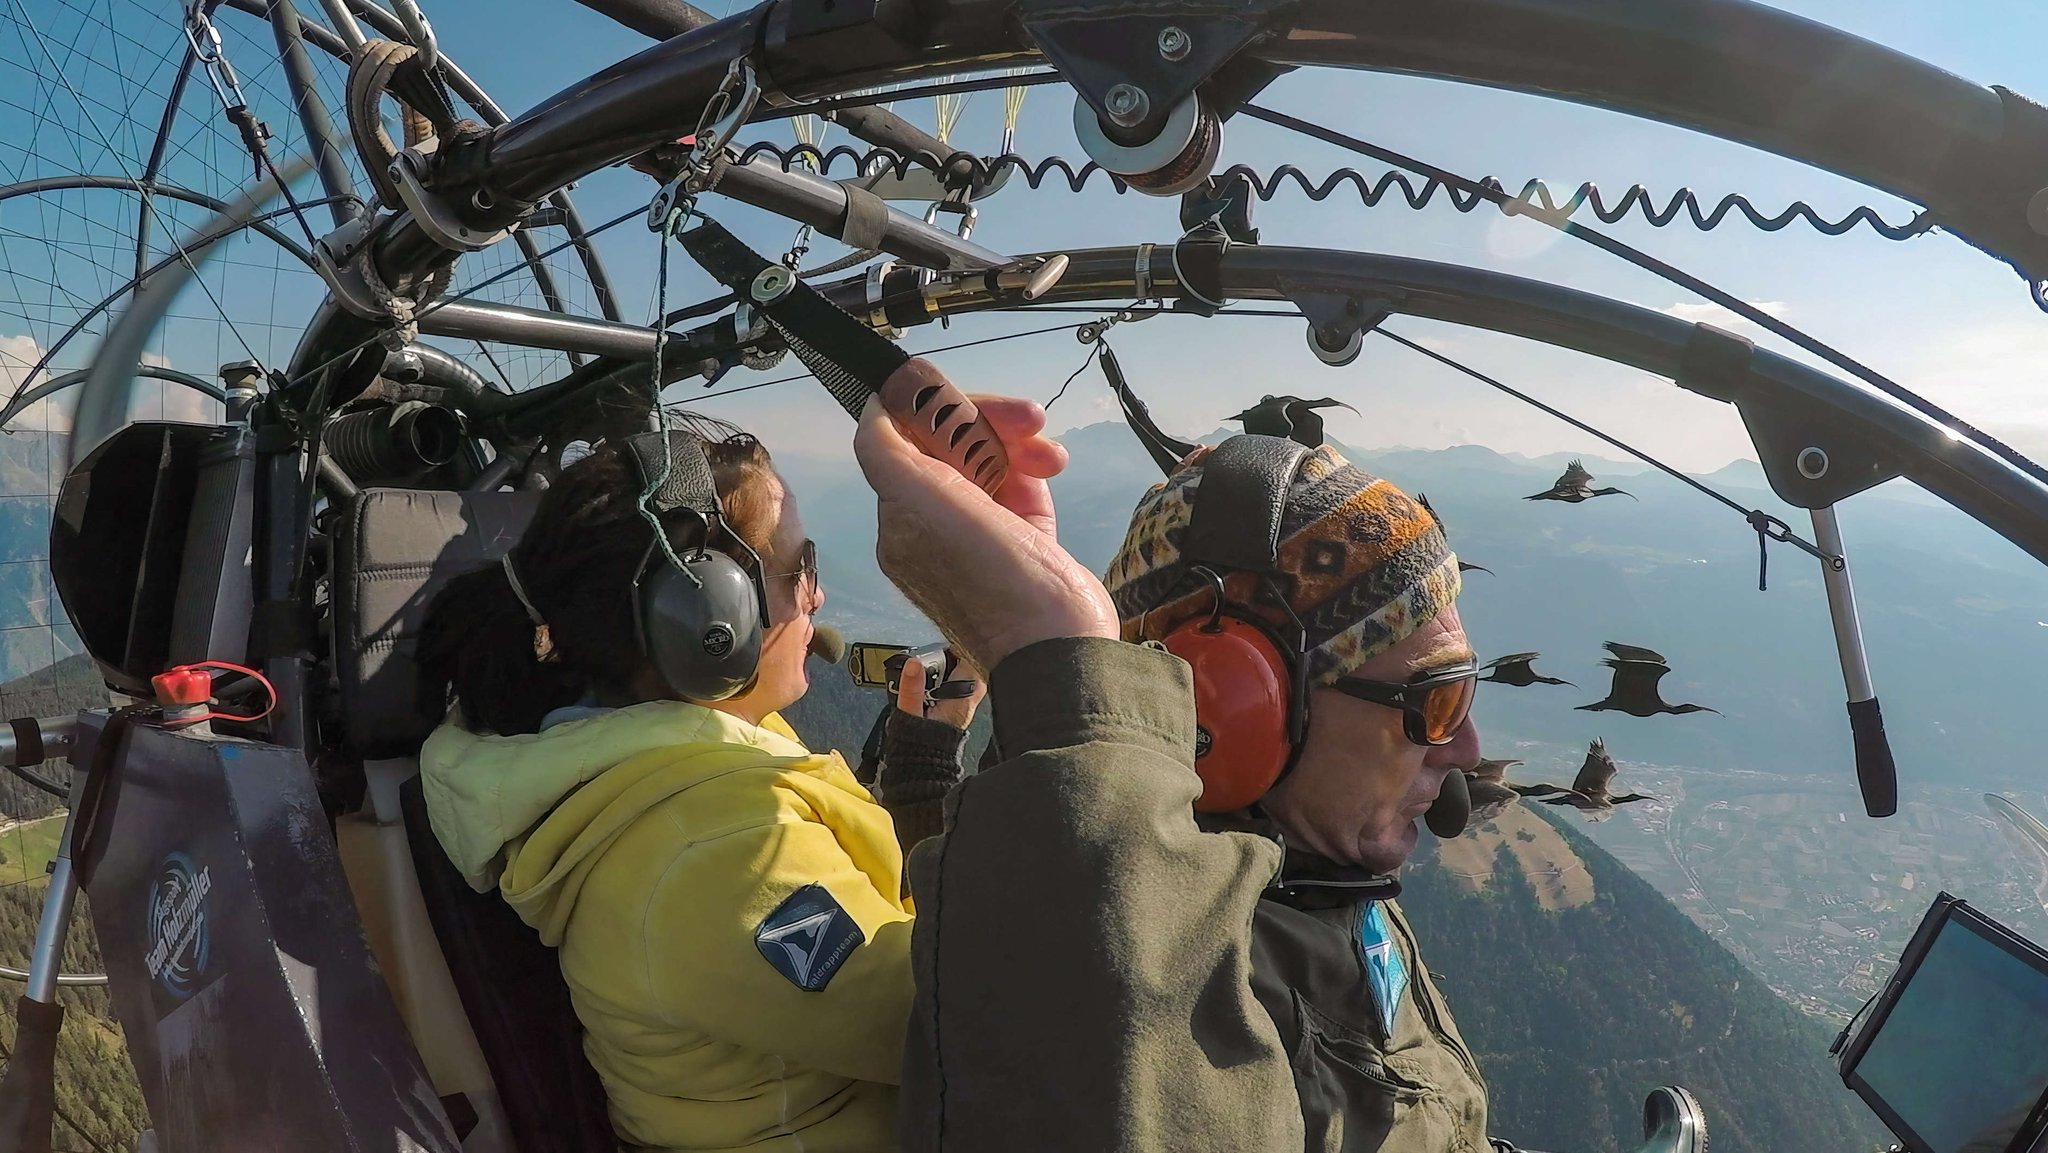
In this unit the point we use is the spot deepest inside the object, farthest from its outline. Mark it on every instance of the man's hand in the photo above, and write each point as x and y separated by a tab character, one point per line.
989	571
955	711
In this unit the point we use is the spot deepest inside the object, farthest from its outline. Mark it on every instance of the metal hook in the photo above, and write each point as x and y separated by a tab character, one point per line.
419	32
1215	621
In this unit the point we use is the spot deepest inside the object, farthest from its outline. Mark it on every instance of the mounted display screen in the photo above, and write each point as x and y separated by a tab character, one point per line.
1954	1058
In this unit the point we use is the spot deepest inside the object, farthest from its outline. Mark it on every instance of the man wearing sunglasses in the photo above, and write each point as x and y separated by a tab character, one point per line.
1098	965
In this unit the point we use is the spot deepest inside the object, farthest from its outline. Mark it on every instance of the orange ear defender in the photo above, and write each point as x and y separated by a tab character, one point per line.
1250	703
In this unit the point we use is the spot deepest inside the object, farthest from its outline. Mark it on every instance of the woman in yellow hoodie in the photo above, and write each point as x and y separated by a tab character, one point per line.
727	904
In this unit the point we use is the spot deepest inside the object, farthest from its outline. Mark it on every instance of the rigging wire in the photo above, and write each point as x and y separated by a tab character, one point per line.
885	97
1679	277
926	352
1764	523
85	113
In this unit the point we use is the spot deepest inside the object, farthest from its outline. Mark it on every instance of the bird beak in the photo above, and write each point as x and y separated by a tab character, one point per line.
1330	402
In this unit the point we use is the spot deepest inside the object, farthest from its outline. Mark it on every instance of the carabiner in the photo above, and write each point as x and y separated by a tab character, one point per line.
724	115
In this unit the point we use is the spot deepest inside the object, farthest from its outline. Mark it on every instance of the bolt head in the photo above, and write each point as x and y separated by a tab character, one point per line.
1126	105
1813	463
1175	43
771	284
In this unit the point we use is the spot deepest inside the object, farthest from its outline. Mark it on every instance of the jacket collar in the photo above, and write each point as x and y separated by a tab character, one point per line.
1307	881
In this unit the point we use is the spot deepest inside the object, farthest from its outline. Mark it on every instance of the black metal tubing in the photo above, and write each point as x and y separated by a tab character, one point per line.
156	155
385	24
1960	472
57	384
319	126
1733	68
512	324
811	199
659	19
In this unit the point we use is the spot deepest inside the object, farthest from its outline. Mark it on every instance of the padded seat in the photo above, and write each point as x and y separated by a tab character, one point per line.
395	551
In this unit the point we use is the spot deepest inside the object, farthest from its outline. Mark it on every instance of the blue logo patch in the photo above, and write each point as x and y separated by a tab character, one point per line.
180	938
808	937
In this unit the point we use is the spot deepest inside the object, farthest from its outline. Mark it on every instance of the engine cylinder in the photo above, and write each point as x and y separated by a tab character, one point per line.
394	442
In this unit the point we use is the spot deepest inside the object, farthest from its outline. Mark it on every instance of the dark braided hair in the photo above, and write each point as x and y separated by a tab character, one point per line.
577	561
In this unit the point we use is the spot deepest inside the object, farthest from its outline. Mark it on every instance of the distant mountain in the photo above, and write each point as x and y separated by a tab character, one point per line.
1955	619
1580	988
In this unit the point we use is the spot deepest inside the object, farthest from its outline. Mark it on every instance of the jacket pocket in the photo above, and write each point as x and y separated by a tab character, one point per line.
1349	1097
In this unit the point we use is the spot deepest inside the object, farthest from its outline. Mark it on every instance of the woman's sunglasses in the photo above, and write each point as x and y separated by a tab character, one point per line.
806	571
1434	706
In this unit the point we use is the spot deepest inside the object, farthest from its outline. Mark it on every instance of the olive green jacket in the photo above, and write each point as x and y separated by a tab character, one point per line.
1096	972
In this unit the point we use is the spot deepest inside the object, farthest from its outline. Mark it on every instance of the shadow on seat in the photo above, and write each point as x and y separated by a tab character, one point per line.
488	1009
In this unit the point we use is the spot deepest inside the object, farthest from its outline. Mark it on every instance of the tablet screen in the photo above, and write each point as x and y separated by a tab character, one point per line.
1962	1057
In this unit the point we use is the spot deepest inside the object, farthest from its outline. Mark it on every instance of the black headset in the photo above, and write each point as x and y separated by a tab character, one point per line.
698	613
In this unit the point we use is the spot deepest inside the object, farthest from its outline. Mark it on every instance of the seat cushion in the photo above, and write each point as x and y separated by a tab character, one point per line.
396	550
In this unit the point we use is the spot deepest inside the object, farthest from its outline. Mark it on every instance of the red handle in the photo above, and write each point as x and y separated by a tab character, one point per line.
940	420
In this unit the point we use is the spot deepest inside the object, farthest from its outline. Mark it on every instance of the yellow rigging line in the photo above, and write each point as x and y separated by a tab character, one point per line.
1013	107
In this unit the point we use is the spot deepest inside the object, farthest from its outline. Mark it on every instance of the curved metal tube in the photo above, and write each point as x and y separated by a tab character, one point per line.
1960	472
103	402
57	384
61	183
64	980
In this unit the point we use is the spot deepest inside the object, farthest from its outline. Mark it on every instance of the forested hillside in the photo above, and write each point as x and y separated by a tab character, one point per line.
1576	1012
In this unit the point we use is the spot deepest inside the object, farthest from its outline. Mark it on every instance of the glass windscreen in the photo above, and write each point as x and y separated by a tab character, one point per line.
1961	1058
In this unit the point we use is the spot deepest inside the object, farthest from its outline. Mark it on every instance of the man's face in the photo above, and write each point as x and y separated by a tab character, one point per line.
1360	783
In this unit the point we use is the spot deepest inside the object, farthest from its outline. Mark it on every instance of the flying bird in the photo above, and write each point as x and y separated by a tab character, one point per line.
1492	792
1589	792
1575	484
1514	669
1289	416
1636	673
1423	500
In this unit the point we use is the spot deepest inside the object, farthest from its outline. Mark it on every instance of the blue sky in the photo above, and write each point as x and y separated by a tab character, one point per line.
1933	313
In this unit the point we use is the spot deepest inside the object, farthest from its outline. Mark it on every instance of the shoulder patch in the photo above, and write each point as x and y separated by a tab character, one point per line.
808	937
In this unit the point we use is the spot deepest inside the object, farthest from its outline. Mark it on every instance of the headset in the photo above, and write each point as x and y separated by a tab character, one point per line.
699	613
1252	683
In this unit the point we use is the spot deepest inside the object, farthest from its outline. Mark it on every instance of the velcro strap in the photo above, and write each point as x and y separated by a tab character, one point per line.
867	219
28	742
1236	519
688	483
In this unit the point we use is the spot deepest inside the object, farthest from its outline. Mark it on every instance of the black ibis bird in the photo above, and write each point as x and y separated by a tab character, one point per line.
1636	673
1589	789
1491	792
1514	669
1289	416
1575	484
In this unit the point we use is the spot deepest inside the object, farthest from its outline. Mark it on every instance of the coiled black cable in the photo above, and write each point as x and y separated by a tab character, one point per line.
1535	199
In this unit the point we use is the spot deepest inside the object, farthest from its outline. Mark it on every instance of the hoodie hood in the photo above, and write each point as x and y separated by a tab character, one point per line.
486	794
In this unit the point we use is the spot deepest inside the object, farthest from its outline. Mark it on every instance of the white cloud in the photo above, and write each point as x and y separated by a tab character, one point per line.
19	354
1721	316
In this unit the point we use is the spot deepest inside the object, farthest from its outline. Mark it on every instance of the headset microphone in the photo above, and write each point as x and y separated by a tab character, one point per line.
828	644
1453	807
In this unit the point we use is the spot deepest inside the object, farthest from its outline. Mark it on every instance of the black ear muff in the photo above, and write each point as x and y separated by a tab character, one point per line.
701	624
1243	708
700	614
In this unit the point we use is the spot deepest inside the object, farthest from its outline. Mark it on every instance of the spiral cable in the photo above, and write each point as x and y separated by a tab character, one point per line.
1535	199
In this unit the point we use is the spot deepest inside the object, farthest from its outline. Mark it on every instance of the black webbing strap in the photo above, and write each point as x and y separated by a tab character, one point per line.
28	742
689	483
1165	451
852	360
93	823
1236	519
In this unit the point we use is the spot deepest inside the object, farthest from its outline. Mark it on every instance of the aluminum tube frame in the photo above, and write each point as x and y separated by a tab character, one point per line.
46	957
313	115
1727	67
512	324
345	26
58	733
808	198
1962	473
172	103
1827	534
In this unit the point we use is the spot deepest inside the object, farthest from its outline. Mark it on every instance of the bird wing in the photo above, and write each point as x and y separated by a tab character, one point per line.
1634	652
1575	476
1510	659
1594	774
1536	790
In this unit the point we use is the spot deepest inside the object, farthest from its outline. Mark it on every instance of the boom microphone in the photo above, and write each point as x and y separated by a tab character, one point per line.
828	644
1453	807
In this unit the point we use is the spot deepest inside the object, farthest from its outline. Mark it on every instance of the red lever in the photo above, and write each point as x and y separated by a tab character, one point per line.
182	687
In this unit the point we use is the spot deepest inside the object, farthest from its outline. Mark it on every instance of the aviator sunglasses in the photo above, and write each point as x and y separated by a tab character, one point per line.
1434	705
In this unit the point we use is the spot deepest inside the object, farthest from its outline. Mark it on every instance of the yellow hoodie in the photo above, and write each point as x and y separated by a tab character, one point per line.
676	857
